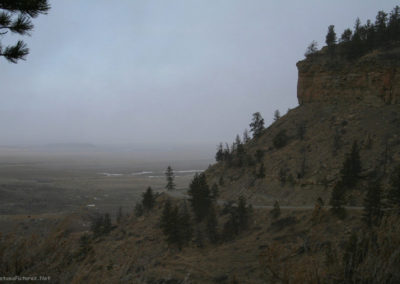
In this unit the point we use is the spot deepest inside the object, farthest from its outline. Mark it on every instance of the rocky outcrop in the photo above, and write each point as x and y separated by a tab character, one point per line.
374	78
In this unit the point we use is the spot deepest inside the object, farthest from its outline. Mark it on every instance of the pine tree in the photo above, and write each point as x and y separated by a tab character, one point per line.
173	234
16	17
257	125
381	26
394	24
372	204
200	196
221	181
261	171
212	224
176	225
338	200
214	191
277	115
330	39
242	213
357	29
351	167
165	217
138	210
259	155
185	226
240	152
346	35
238	219
96	225
101	224
84	246
246	137
311	49
169	174
107	223
219	156
276	211
394	191
148	199
280	140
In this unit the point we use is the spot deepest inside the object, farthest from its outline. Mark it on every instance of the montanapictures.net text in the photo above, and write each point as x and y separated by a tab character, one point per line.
24	278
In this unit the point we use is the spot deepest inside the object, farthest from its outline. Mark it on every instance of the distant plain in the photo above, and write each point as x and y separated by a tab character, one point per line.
46	184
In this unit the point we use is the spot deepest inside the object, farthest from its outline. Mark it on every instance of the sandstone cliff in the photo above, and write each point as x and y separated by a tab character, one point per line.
373	78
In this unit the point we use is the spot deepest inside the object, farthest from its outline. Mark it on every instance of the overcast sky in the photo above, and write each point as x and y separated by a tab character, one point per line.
121	72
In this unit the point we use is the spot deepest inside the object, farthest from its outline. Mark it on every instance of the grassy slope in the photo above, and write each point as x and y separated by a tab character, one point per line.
135	251
373	127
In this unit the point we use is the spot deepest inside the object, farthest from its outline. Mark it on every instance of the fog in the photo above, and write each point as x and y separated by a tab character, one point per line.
162	72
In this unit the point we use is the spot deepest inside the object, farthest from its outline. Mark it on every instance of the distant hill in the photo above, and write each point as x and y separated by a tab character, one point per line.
69	146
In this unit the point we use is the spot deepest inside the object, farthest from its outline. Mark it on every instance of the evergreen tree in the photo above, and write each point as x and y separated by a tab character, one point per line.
214	192
101	224
246	137
176	225
238	219
107	223
237	141
394	24
276	211
185	226
259	155
357	28
311	49
261	171
138	210
242	213
212	224
331	37
200	197
381	25
301	130
338	200
16	17
257	125
84	246
148	199
394	191
219	156
173	232
351	167
346	35
240	152
240	155
277	115
281	139
227	154
96	225
165	217
372	204
221	181
169	174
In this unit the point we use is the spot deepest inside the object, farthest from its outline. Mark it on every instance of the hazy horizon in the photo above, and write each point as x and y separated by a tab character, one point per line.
162	73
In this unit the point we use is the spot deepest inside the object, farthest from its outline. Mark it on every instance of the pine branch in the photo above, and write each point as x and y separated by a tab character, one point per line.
16	52
5	19
33	8
22	25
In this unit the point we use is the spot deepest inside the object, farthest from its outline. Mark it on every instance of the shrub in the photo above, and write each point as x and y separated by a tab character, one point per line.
281	139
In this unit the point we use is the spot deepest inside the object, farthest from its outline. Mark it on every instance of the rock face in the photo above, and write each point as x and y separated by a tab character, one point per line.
374	78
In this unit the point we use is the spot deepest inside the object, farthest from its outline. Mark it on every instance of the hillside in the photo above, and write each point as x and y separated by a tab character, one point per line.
301	157
340	102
